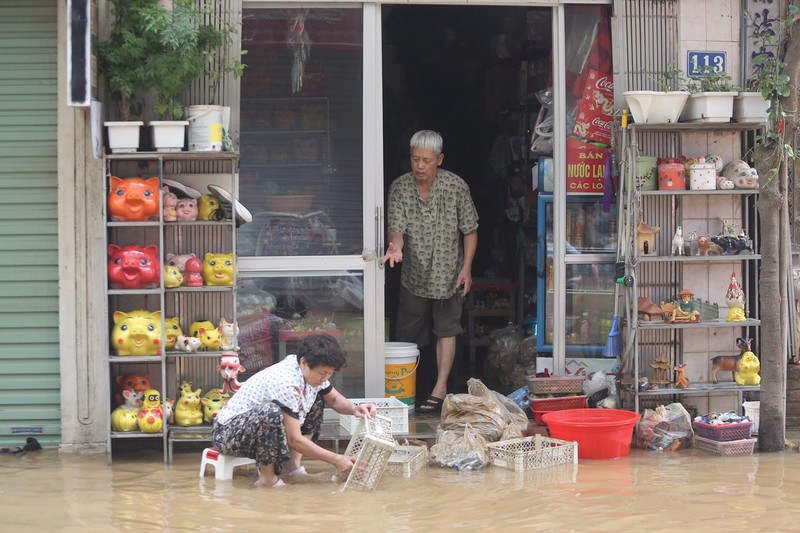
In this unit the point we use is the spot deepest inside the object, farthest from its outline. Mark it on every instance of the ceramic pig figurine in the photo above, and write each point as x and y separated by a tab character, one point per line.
213	401
186	209
179	260
173	330
209	335
170	200
131	382
126	416
133	267
188	409
133	199
173	277
137	333
208	208
218	269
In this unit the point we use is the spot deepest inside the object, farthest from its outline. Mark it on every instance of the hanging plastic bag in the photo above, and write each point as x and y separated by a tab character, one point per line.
464	450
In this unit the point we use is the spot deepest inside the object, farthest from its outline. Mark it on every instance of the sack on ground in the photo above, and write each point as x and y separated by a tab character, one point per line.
489	413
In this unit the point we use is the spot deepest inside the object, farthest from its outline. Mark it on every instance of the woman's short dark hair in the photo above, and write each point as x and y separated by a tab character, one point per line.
322	349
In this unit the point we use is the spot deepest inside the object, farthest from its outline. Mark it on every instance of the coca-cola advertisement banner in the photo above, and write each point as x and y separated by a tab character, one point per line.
596	109
586	165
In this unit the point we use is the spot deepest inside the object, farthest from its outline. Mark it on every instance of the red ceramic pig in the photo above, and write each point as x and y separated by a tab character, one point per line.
133	199
133	267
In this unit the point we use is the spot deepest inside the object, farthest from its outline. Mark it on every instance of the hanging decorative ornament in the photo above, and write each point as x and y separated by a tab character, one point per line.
299	43
735	300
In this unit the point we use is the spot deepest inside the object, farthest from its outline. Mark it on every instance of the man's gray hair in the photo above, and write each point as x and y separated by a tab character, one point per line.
427	140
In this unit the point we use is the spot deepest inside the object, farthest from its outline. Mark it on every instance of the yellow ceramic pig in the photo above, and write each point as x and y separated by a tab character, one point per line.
208	208
173	329
213	401
218	269
208	333
173	277
137	333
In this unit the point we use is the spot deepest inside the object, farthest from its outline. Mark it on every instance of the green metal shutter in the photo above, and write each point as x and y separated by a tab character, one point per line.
29	351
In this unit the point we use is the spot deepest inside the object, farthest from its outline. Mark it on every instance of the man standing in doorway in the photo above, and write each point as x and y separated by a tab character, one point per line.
429	210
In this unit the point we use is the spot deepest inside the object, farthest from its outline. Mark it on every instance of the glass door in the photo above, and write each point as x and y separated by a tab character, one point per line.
589	288
307	257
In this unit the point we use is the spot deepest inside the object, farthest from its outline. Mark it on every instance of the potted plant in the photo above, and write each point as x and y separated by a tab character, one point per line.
663	106
711	98
181	36
767	81
122	58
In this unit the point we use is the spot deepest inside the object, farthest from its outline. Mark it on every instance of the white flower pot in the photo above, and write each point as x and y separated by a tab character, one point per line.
168	135
709	107
655	107
750	107
123	136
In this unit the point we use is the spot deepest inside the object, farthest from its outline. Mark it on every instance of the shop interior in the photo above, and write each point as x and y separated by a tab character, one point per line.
481	76
473	74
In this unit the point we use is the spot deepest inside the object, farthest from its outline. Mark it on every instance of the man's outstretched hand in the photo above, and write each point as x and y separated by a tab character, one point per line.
393	255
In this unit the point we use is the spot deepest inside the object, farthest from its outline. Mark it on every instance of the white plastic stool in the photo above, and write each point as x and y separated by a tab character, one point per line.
223	464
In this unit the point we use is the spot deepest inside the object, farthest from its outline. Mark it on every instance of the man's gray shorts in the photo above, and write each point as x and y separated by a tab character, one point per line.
414	315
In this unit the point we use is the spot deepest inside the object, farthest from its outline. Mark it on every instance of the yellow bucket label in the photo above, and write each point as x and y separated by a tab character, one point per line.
216	132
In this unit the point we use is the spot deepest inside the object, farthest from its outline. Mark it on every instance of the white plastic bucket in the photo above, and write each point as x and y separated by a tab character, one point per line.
751	410
205	128
401	362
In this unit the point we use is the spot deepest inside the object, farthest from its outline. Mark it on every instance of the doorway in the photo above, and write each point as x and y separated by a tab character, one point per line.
472	73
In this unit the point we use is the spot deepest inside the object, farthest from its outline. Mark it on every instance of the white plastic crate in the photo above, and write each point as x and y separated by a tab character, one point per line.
407	460
531	453
372	446
391	408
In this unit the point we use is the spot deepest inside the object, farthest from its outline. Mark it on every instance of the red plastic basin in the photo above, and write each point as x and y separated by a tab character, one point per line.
600	433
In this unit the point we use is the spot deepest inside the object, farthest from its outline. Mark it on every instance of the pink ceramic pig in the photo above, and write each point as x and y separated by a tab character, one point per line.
132	199
179	260
186	209
170	200
133	267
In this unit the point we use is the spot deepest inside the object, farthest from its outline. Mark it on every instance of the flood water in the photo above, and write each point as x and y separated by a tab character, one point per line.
687	490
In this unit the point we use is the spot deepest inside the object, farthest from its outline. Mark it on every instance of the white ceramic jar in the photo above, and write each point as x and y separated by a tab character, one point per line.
702	176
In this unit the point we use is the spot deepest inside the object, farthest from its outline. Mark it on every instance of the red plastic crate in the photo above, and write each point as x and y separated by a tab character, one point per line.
540	406
726	448
722	432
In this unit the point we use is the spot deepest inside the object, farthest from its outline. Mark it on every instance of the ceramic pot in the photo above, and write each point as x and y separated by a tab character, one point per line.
123	136
750	107
703	177
671	176
708	107
168	135
655	107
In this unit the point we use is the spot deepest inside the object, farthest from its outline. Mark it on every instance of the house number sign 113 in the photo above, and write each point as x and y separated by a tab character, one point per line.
698	62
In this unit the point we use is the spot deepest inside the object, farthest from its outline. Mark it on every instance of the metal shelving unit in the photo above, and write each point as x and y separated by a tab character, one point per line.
660	277
168	368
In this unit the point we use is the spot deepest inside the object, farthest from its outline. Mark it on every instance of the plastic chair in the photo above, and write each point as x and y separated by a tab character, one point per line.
223	464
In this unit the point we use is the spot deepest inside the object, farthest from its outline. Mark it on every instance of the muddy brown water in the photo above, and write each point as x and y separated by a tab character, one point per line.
687	490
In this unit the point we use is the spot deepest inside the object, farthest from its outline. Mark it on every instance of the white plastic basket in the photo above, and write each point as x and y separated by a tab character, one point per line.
391	408
407	460
530	453
372	446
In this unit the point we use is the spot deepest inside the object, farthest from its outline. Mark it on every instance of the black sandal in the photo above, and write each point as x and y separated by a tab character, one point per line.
432	405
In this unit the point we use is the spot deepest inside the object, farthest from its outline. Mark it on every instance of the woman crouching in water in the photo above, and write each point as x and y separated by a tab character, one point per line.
275	416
